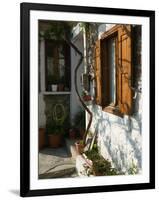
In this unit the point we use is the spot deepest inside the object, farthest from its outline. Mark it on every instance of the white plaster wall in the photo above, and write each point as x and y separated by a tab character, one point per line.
102	28
74	101
119	139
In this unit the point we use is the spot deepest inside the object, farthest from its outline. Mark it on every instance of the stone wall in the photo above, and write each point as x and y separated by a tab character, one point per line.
75	105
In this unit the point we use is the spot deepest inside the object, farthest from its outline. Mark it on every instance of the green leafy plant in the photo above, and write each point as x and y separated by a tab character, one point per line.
101	166
53	129
90	134
56	31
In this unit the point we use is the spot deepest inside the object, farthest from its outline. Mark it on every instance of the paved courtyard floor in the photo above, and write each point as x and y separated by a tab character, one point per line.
56	163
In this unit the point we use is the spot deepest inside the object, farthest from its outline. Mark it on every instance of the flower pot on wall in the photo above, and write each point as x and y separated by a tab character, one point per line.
42	138
87	98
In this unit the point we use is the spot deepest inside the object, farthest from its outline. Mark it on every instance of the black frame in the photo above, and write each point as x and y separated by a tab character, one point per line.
25	96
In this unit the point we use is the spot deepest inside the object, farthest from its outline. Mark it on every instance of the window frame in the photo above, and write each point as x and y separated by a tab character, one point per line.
105	37
66	58
118	109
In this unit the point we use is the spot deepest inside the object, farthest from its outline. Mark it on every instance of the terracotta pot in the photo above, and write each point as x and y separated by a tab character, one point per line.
41	138
55	140
79	147
72	134
87	98
60	87
96	173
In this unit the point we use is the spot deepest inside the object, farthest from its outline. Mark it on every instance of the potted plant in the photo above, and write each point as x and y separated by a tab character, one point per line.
101	166
41	138
61	85
52	82
86	96
55	134
54	87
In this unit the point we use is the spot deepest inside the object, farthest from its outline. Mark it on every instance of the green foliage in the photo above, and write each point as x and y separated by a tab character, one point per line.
85	26
90	134
57	30
54	129
101	166
81	142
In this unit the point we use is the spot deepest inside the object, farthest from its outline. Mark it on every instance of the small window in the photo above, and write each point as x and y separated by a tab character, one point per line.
113	70
57	61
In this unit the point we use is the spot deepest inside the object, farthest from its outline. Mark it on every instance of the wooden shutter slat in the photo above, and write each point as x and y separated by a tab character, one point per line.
124	69
98	72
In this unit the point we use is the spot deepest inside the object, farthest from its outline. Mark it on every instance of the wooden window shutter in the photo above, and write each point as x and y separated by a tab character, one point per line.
98	72
124	69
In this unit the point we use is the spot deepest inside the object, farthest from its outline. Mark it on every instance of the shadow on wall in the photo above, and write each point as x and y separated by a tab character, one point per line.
121	143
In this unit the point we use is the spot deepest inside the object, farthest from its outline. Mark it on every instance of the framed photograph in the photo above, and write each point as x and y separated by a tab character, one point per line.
87	99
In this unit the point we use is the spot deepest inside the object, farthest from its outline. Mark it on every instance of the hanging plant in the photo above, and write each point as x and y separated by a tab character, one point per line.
57	31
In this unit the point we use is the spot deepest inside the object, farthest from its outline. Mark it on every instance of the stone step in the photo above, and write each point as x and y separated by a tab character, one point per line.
59	171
